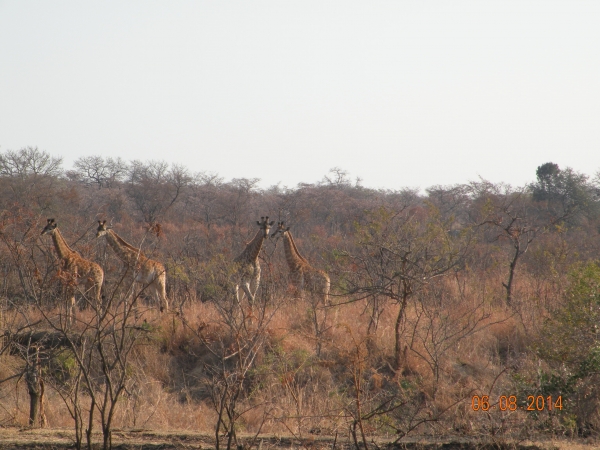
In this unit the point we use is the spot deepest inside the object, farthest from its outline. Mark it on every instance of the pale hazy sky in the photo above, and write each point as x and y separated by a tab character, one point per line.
402	94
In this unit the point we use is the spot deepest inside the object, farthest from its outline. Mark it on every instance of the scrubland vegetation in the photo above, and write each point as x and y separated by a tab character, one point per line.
451	312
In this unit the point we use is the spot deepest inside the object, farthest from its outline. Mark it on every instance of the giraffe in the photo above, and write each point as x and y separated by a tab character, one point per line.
248	267
142	269
81	270
303	276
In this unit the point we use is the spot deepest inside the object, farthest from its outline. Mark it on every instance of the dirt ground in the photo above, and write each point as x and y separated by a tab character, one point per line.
50	439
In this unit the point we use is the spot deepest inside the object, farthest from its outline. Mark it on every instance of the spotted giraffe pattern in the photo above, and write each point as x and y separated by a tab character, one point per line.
303	276
141	269
79	270
247	265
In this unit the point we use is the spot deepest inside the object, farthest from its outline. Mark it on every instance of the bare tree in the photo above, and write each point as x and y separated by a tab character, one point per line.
29	176
509	215
397	254
337	177
29	161
154	187
100	171
204	198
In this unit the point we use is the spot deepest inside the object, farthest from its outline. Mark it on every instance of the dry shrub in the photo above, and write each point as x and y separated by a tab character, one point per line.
9	393
507	341
291	390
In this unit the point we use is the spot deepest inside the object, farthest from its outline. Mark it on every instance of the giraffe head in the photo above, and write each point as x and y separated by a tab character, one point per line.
280	230
50	227
264	225
102	228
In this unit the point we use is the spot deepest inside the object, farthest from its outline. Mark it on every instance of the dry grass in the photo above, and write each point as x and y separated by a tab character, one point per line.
291	390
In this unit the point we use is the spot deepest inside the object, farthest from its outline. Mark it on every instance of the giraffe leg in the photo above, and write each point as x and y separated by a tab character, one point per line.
236	293
98	292
152	292
126	287
249	294
86	295
68	301
160	295
163	293
324	292
70	306
164	301
83	290
91	295
254	283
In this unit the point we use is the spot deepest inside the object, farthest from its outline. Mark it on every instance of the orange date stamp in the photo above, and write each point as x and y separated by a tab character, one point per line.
511	403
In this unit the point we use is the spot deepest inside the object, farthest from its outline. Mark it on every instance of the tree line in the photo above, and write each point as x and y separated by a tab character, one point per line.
428	273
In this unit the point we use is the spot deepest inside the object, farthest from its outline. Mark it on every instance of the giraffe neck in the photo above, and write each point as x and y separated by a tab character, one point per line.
253	248
292	256
124	251
63	250
125	244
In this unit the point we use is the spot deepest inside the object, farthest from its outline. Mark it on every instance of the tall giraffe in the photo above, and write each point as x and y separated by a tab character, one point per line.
79	269
303	276
248	267
151	274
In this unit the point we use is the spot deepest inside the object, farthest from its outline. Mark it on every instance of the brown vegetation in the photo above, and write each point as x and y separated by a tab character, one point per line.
436	302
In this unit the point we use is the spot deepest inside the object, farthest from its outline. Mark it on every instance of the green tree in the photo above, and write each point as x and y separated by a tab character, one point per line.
567	192
569	343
